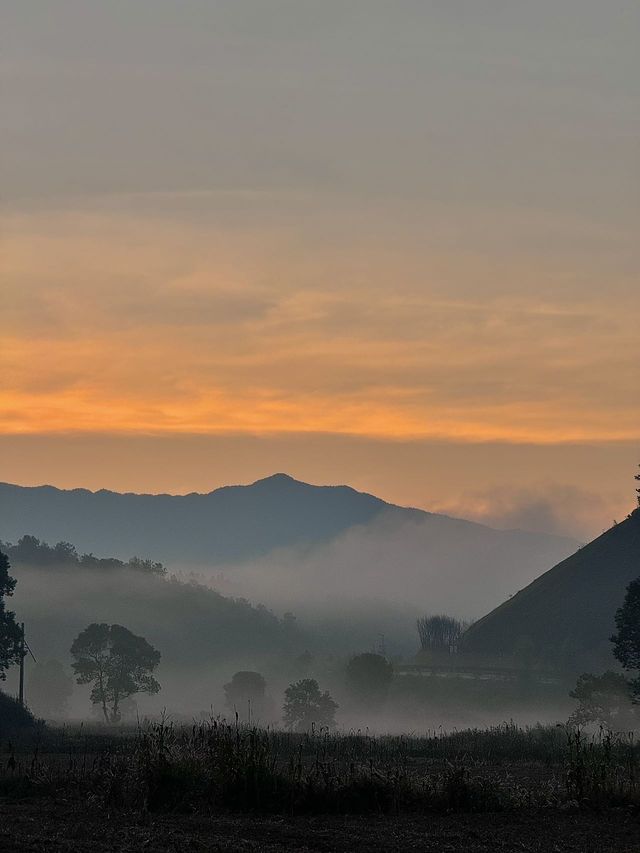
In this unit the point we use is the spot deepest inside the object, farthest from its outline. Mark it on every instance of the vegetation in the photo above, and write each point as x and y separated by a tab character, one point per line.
604	699
13	717
216	766
306	708
626	640
10	633
245	695
193	624
368	677
117	664
33	552
440	633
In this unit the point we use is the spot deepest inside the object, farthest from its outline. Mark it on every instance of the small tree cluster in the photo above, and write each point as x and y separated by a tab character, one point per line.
440	632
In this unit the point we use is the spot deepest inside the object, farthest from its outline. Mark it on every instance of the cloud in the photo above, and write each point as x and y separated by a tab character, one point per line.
550	508
134	323
432	565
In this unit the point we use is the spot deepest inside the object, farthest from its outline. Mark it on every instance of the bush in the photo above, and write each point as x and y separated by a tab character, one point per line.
13	717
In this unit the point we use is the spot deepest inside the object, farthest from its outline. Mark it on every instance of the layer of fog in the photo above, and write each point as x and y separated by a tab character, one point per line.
200	653
392	567
360	592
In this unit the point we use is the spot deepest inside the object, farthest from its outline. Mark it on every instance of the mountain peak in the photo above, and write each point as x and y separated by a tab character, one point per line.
276	478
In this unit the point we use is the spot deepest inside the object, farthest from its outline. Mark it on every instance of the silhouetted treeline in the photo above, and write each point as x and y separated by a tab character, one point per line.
31	551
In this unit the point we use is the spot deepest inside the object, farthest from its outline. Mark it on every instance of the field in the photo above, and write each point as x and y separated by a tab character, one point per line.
214	786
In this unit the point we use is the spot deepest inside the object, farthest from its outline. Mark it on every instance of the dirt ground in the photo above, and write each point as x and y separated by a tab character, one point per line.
45	825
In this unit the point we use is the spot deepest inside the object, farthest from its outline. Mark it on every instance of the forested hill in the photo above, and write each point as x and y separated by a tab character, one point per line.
60	592
237	523
567	613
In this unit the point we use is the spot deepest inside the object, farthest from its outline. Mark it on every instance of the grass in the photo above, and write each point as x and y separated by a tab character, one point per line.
215	766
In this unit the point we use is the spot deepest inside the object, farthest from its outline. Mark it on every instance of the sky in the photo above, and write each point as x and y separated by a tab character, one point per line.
386	244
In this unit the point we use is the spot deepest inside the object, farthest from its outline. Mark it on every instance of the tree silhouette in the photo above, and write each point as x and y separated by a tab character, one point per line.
626	640
368	677
117	663
245	694
604	699
305	706
10	633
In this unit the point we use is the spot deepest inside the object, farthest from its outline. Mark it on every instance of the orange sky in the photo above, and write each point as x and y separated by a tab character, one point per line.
297	230
133	324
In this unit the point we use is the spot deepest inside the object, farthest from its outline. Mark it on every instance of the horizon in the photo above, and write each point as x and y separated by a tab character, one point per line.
283	475
394	247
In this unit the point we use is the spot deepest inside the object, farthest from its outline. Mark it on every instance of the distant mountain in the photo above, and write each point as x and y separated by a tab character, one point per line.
234	523
567	614
230	524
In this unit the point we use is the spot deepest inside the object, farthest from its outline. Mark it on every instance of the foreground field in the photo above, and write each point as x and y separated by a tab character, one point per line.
52	826
215	786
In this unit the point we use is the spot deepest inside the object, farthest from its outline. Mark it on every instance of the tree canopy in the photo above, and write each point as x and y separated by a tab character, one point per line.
626	640
368	677
117	664
604	699
305	706
10	633
31	551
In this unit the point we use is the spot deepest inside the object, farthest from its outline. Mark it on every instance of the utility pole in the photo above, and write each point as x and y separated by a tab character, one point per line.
24	649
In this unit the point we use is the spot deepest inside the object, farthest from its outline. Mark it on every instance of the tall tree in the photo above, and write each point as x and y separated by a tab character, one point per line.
626	640
10	633
117	663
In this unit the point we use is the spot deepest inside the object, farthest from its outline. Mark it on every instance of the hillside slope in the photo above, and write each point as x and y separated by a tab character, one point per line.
568	612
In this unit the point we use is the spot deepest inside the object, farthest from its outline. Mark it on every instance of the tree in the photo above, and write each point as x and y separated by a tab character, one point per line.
368	677
440	633
10	632
305	706
637	479
117	663
49	689
245	694
604	699
626	640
